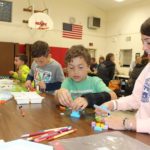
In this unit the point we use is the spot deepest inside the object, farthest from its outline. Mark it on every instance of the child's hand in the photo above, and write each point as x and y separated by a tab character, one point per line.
100	111
114	122
79	103
28	84
42	85
11	72
113	95
64	97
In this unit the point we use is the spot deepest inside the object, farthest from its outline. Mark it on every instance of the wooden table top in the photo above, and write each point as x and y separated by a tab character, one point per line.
44	116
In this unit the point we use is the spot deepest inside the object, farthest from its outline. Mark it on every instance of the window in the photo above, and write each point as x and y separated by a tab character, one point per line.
125	57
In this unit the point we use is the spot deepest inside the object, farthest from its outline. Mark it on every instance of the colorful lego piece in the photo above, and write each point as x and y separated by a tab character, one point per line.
2	101
99	126
103	107
105	127
62	114
62	108
75	114
93	124
99	118
96	128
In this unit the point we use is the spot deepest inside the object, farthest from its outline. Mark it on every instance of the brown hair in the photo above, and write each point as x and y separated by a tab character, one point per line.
101	58
77	51
23	58
108	56
40	48
145	27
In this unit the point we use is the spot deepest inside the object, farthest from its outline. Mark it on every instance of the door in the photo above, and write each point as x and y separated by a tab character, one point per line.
6	57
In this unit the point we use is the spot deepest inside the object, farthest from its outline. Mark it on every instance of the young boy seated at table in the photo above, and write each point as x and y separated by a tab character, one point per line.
45	71
23	69
74	88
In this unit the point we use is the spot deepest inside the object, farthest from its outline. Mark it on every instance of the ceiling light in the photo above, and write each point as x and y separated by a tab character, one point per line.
119	0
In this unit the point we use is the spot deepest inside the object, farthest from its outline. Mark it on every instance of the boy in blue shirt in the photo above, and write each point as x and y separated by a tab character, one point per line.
78	84
45	71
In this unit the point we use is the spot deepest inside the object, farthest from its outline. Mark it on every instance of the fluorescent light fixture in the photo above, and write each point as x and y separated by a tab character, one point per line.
119	0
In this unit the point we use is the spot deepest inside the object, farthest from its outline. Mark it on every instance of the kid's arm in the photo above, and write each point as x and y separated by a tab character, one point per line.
30	77
15	75
96	98
24	73
53	86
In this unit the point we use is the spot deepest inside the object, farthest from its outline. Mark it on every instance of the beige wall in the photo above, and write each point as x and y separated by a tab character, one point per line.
60	11
125	22
116	25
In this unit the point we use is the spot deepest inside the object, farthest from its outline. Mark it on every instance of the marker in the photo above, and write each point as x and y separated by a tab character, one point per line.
39	135
21	111
44	137
43	131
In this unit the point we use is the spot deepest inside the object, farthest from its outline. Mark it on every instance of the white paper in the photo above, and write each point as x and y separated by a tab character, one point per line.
24	145
2	142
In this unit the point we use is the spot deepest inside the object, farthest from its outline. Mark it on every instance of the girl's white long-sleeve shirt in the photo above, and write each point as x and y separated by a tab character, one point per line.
140	99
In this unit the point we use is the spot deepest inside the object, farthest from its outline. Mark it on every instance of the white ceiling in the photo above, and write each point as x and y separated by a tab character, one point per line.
111	4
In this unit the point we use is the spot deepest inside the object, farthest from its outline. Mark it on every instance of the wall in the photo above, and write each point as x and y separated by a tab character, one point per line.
116	25
123	23
60	11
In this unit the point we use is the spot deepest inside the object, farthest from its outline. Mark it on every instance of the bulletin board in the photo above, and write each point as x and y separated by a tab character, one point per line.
5	11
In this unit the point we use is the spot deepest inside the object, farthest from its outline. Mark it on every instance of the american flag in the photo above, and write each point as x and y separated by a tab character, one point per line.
72	31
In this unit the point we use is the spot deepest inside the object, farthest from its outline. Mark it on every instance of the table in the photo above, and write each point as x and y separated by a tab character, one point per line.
121	76
44	116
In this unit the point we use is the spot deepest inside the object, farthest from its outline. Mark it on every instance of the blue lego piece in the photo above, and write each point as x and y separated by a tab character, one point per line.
103	107
75	114
96	128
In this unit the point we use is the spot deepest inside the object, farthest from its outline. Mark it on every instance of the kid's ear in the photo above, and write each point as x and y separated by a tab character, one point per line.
50	55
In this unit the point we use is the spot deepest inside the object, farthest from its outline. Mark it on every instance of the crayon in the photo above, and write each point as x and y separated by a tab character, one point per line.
44	137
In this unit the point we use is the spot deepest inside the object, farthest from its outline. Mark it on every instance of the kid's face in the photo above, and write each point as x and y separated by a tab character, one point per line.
146	44
112	58
18	62
78	69
42	61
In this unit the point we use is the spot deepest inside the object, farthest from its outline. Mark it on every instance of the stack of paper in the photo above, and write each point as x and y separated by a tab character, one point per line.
24	145
6	84
27	97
